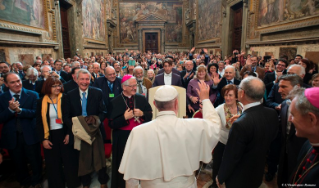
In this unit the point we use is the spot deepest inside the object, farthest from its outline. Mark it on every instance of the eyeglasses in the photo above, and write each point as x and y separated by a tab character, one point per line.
132	86
55	86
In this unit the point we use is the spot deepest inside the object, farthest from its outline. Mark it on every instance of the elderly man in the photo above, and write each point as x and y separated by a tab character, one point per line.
188	73
19	135
118	71
253	68
304	114
167	77
87	101
221	68
172	147
143	84
151	75
219	83
249	139
126	111
110	85
20	70
46	71
96	71
31	78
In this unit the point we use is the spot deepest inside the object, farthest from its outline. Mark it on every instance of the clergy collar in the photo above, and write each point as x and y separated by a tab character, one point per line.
247	106
126	95
170	74
162	113
315	144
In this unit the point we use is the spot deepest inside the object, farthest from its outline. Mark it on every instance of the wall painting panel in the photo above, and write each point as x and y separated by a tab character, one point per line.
290	52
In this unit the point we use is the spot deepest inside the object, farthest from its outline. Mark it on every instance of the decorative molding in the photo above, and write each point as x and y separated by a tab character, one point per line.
293	25
20	29
20	42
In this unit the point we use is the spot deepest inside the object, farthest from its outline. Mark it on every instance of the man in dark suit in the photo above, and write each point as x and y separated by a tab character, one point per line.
86	101
168	77
253	68
71	84
110	85
19	135
174	70
46	71
219	83
187	74
290	143
244	157
96	71
59	71
272	78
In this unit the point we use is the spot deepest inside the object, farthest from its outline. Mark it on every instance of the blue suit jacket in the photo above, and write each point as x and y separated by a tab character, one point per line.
28	103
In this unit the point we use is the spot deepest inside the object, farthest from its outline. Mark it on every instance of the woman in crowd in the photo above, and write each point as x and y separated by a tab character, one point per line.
308	68
226	111
315	80
90	69
201	75
267	68
60	157
103	65
31	77
212	70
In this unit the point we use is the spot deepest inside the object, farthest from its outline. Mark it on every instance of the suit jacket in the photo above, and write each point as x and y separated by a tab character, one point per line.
65	76
159	80
175	71
70	85
73	107
249	139
27	85
291	146
102	84
269	81
274	97
28	103
40	122
186	80
222	83
260	71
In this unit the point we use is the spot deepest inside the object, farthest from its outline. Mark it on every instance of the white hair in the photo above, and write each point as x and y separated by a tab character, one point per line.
230	66
32	71
138	67
96	63
83	71
48	66
73	63
302	70
151	70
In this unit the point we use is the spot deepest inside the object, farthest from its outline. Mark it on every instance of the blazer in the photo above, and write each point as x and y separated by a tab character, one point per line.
222	83
175	71
70	85
260	71
186	80
40	122
27	85
65	76
102	84
28	103
159	80
249	139
73	107
269	81
290	147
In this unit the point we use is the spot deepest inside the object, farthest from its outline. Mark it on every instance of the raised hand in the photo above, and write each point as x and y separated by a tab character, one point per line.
203	91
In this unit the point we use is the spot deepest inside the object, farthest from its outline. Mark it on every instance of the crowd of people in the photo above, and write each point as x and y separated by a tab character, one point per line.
256	112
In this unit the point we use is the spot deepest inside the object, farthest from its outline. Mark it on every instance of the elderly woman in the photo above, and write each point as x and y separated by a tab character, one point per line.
315	80
59	154
212	70
151	75
201	75
31	77
231	108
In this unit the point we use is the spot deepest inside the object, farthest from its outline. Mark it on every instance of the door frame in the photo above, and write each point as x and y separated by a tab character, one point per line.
158	38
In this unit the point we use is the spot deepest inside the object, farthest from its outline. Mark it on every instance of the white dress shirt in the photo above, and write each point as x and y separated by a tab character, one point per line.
247	106
168	78
86	94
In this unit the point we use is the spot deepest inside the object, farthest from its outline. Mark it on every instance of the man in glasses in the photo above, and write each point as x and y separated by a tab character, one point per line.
126	111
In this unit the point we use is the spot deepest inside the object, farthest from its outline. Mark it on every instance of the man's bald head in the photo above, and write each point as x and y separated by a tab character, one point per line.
254	89
297	69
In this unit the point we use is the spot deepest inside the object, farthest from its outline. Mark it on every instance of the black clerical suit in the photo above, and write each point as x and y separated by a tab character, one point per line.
116	110
95	106
244	157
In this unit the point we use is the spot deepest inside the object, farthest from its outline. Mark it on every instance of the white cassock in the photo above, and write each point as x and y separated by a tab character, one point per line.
166	151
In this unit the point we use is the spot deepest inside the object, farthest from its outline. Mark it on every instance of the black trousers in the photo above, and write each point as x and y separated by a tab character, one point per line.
102	177
217	159
119	141
23	154
274	154
61	162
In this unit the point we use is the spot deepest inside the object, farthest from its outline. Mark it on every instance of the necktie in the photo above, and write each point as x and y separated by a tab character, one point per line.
254	69
229	82
19	128
84	103
111	86
140	91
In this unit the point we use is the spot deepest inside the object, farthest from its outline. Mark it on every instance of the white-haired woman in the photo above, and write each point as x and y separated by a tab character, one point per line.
30	79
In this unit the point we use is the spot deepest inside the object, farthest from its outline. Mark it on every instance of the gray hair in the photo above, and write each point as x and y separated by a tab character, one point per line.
96	63
292	78
151	70
302	103
83	71
126	83
73	63
221	62
48	66
112	59
230	66
302	70
254	88
189	61
165	105
31	71
138	67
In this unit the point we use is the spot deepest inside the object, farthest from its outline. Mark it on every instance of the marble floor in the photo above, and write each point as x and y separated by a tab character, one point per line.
204	180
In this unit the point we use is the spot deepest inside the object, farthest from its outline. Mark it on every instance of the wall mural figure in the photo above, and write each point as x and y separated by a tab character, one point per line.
26	12
94	16
209	19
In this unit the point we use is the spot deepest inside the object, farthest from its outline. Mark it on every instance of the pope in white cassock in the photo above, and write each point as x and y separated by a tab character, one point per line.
166	151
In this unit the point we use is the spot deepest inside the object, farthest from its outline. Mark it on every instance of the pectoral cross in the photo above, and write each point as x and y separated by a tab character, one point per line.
136	118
